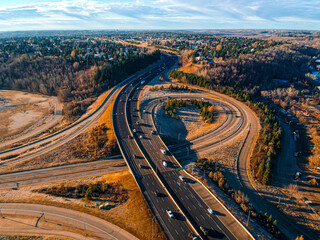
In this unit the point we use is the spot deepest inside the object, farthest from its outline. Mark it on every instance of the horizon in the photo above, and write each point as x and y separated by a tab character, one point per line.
160	15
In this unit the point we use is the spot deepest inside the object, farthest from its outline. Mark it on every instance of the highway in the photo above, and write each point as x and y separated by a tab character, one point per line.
156	196
192	204
289	228
61	173
233	126
46	144
60	217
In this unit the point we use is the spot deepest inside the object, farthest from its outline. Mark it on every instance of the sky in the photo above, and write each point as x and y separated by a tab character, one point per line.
21	15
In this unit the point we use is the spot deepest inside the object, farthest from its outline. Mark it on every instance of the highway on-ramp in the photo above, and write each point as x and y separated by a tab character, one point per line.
93	226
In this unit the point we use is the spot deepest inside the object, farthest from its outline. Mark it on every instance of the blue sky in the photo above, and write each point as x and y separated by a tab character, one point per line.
160	14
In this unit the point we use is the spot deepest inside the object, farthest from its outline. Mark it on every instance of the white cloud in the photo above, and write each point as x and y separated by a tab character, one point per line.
161	14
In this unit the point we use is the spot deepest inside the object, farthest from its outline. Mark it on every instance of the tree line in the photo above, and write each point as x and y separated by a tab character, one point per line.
76	87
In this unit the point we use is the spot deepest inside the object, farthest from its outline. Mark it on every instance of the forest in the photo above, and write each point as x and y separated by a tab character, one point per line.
77	87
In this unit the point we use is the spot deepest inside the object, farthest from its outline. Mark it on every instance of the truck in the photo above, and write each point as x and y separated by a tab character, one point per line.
163	150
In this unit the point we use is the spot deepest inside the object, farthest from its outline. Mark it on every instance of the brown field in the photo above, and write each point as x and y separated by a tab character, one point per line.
63	155
134	215
20	110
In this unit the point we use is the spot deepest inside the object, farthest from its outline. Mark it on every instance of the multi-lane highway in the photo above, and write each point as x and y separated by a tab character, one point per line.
156	196
159	178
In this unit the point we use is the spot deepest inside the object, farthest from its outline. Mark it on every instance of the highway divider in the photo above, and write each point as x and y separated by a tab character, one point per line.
152	168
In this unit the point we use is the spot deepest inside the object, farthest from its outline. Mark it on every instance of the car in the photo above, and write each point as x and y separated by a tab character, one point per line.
141	136
152	132
165	163
163	150
205	232
193	236
297	175
131	84
170	213
137	122
181	178
144	111
295	154
129	99
133	155
129	137
318	169
134	130
307	201
140	166
210	210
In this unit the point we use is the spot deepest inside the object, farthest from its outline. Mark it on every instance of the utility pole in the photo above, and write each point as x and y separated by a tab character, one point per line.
248	219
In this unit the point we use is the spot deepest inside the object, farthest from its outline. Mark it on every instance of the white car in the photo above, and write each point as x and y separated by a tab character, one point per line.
163	150
134	130
210	210
170	213
181	178
164	163
141	136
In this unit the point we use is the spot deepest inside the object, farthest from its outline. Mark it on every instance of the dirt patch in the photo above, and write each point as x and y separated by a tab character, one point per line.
132	215
189	125
20	110
74	150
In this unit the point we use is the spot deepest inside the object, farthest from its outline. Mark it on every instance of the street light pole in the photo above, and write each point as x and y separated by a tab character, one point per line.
152	223
248	218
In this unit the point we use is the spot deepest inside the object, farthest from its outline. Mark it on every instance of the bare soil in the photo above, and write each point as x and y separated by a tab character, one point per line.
66	153
21	110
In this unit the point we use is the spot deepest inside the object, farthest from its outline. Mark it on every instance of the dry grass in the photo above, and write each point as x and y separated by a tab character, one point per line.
134	215
21	111
188	68
208	127
62	155
97	103
106	118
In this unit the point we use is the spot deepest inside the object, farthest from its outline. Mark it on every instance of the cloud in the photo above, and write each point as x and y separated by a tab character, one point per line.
161	14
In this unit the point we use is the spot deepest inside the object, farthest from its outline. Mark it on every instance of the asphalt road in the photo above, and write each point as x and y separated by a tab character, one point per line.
94	226
289	228
189	201
155	194
61	173
41	146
